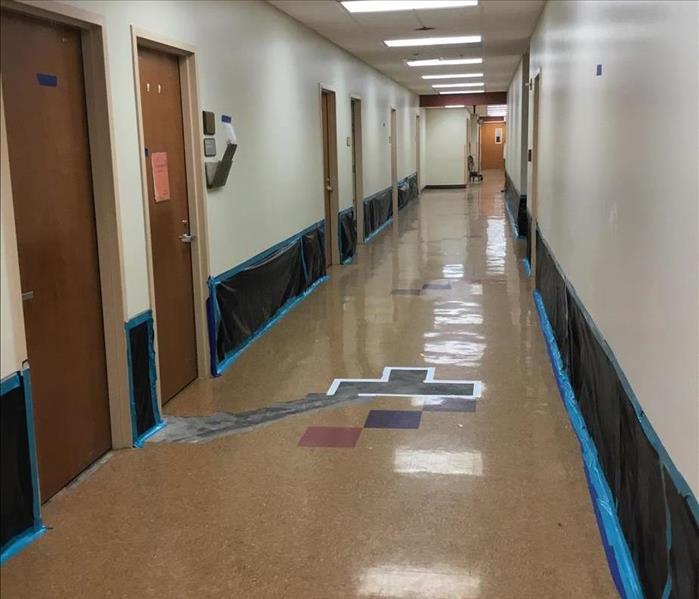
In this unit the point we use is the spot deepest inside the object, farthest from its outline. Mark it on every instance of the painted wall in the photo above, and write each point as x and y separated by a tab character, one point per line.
445	145
13	350
619	195
262	68
423	147
517	129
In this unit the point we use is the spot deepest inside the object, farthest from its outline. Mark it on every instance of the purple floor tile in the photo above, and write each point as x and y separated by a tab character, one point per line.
393	419
449	404
330	436
406	291
436	286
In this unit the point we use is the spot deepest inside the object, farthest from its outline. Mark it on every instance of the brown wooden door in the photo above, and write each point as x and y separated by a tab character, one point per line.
163	133
492	152
49	154
327	108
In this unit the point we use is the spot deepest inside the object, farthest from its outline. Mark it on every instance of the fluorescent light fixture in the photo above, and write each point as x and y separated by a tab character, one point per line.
433	41
439	62
454	76
496	110
396	5
444	85
455	106
463	91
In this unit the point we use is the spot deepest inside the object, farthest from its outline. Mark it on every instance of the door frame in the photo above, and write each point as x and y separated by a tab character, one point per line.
357	149
393	148
196	186
107	207
533	197
331	223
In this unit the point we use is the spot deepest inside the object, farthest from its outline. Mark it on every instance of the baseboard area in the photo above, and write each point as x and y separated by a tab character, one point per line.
648	515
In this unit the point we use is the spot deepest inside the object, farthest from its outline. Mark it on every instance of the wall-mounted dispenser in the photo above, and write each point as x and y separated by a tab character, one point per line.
217	172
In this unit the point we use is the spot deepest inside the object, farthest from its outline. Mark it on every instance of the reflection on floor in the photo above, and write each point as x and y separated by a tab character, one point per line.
479	500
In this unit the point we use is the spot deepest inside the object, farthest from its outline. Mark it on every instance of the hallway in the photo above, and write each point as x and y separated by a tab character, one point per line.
479	498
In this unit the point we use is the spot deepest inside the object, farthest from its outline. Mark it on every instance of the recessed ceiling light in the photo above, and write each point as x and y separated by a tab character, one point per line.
463	91
395	5
433	41
453	76
477	84
455	106
436	62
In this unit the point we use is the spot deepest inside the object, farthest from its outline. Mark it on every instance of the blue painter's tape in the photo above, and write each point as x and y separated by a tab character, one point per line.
21	541
47	80
527	267
267	253
381	228
226	119
10	382
283	311
620	561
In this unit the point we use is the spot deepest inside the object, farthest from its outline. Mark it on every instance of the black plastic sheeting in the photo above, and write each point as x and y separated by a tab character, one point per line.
348	234
16	489
648	498
517	206
314	256
140	347
249	298
378	209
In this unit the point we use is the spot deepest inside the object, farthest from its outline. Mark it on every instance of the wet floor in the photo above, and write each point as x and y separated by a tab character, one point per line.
404	495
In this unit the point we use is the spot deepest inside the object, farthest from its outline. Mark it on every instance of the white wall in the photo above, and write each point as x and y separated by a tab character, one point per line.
262	68
517	116
423	147
445	145
619	195
13	349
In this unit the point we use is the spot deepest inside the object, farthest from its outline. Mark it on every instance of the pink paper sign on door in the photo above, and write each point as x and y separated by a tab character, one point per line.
161	180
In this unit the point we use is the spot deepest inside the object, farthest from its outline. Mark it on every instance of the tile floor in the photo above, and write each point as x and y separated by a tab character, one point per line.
489	502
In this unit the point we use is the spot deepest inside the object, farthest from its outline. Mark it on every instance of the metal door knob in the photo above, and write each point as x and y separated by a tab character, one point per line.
186	238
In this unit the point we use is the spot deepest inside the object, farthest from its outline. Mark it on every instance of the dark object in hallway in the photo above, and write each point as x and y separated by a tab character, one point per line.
473	174
348	235
649	493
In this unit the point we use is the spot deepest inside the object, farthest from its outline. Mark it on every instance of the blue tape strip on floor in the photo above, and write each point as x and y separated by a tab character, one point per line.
283	311
20	542
381	228
618	555
527	267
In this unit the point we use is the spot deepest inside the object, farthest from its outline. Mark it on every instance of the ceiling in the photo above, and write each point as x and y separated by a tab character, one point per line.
505	26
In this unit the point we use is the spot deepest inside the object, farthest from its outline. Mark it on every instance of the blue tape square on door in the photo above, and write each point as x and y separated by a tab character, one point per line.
47	80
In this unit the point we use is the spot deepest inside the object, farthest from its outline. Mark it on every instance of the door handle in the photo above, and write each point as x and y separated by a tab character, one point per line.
27	295
186	237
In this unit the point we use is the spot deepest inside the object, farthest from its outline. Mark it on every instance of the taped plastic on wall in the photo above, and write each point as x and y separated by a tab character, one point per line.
651	502
20	517
247	300
140	346
348	235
